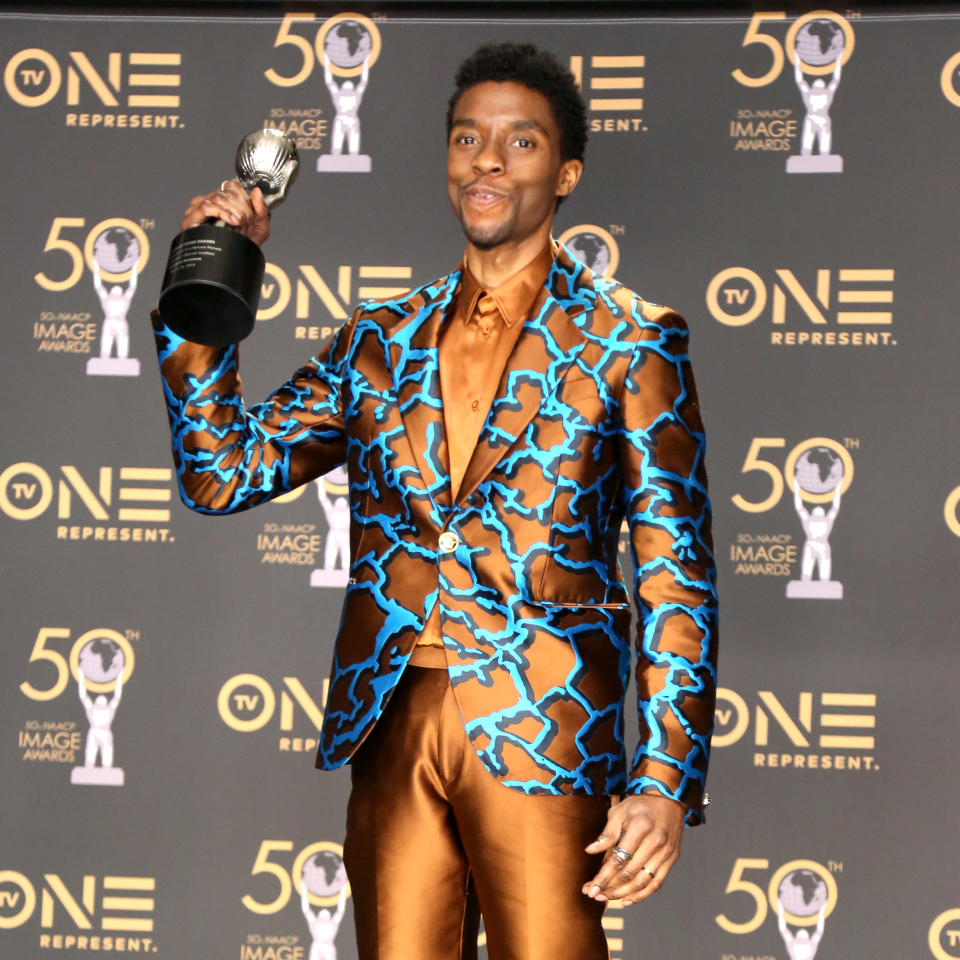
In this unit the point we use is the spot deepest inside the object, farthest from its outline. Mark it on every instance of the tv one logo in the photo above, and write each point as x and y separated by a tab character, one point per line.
828	721
950	79
335	293
116	906
126	493
34	77
951	511
247	702
944	935
846	306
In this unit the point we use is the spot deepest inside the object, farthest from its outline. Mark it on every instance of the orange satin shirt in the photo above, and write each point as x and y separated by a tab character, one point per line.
474	345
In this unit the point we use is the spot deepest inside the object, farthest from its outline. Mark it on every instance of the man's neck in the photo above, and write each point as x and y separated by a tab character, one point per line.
492	267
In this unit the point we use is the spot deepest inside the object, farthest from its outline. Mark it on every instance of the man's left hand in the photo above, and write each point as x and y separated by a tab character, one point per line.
649	827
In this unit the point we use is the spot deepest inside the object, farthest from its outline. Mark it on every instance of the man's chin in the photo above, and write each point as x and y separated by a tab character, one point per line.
486	238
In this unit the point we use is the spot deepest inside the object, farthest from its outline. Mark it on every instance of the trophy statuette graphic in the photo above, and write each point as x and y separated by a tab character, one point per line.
211	286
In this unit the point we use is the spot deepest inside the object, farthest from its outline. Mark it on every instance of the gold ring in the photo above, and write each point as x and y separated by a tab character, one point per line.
648	872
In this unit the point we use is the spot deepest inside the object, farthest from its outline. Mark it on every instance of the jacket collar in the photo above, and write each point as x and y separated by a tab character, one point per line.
548	343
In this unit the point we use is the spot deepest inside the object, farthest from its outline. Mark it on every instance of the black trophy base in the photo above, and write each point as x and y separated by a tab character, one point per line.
211	287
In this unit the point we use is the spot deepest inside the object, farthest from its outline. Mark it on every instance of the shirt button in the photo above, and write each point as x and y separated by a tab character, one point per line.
448	542
486	331
475	405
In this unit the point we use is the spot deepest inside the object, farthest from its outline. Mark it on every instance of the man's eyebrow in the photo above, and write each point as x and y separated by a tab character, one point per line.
516	125
529	125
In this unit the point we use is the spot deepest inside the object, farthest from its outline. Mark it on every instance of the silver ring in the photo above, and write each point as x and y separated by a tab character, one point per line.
621	855
223	186
648	872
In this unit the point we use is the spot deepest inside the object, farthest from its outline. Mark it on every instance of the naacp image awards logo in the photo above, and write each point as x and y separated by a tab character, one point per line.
350	45
116	258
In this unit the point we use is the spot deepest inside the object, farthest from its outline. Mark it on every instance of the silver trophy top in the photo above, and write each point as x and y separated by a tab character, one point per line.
267	159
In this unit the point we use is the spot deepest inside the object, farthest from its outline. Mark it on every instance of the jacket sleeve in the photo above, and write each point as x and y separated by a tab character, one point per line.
667	508
229	458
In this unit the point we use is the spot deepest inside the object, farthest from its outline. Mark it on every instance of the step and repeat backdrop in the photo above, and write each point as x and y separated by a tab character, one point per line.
787	182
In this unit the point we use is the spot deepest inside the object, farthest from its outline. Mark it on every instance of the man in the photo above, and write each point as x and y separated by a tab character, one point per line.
497	425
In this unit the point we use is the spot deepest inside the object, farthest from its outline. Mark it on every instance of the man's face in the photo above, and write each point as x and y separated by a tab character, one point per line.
504	166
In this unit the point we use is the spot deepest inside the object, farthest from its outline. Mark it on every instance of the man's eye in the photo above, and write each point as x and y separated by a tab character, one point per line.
523	142
466	138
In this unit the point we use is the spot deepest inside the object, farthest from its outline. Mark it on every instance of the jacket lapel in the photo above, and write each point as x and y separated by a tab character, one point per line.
548	343
416	378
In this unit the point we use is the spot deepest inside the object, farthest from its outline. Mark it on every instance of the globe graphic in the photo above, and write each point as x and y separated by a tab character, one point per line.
348	44
591	250
102	660
324	874
819	42
117	250
819	470
803	893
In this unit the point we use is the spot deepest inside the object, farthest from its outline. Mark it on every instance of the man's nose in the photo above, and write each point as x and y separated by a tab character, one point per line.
489	159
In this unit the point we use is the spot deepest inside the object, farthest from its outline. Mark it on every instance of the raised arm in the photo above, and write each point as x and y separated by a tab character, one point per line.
132	285
329	81
364	77
229	457
834	83
798	73
84	696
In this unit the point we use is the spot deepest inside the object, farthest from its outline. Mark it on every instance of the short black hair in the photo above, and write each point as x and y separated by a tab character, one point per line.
537	69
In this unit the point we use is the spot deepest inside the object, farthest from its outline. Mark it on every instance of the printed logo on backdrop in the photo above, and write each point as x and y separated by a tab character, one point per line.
944	935
595	247
951	511
613	88
817	472
846	307
93	320
825	731
319	299
799	896
814	51
316	879
112	914
102	90
99	505
248	704
96	667
344	49
950	79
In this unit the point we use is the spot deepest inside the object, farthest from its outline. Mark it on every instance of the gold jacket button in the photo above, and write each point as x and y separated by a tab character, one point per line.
448	542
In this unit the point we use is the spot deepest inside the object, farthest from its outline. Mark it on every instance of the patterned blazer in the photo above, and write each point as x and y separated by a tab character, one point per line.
595	420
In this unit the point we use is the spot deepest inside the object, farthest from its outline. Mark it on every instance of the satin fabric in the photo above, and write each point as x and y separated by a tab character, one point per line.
431	836
474	346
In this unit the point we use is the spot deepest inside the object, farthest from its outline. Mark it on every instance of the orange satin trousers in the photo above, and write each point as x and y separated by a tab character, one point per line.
432	837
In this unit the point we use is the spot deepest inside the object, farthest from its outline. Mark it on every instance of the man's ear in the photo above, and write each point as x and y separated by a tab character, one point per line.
568	177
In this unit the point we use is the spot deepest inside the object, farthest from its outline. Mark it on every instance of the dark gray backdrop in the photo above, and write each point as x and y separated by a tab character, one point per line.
198	601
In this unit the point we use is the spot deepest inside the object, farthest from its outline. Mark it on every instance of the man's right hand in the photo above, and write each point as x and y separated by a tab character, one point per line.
231	204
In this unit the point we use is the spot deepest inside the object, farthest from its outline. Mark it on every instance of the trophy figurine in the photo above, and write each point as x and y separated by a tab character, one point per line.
211	286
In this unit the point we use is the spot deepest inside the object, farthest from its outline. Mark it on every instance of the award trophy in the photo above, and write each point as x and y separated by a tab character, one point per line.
212	282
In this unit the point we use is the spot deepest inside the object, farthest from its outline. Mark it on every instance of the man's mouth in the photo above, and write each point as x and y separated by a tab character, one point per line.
483	196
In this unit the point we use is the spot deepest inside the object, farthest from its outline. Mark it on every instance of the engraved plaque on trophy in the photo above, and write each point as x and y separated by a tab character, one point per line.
211	286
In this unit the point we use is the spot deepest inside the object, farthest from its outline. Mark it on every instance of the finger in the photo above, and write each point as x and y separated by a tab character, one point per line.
635	830
636	874
653	884
611	831
260	207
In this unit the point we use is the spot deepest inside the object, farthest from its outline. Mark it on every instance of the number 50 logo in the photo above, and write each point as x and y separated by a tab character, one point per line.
292	880
755	463
737	884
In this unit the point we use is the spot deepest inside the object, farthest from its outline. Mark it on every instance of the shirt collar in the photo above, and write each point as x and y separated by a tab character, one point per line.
516	295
